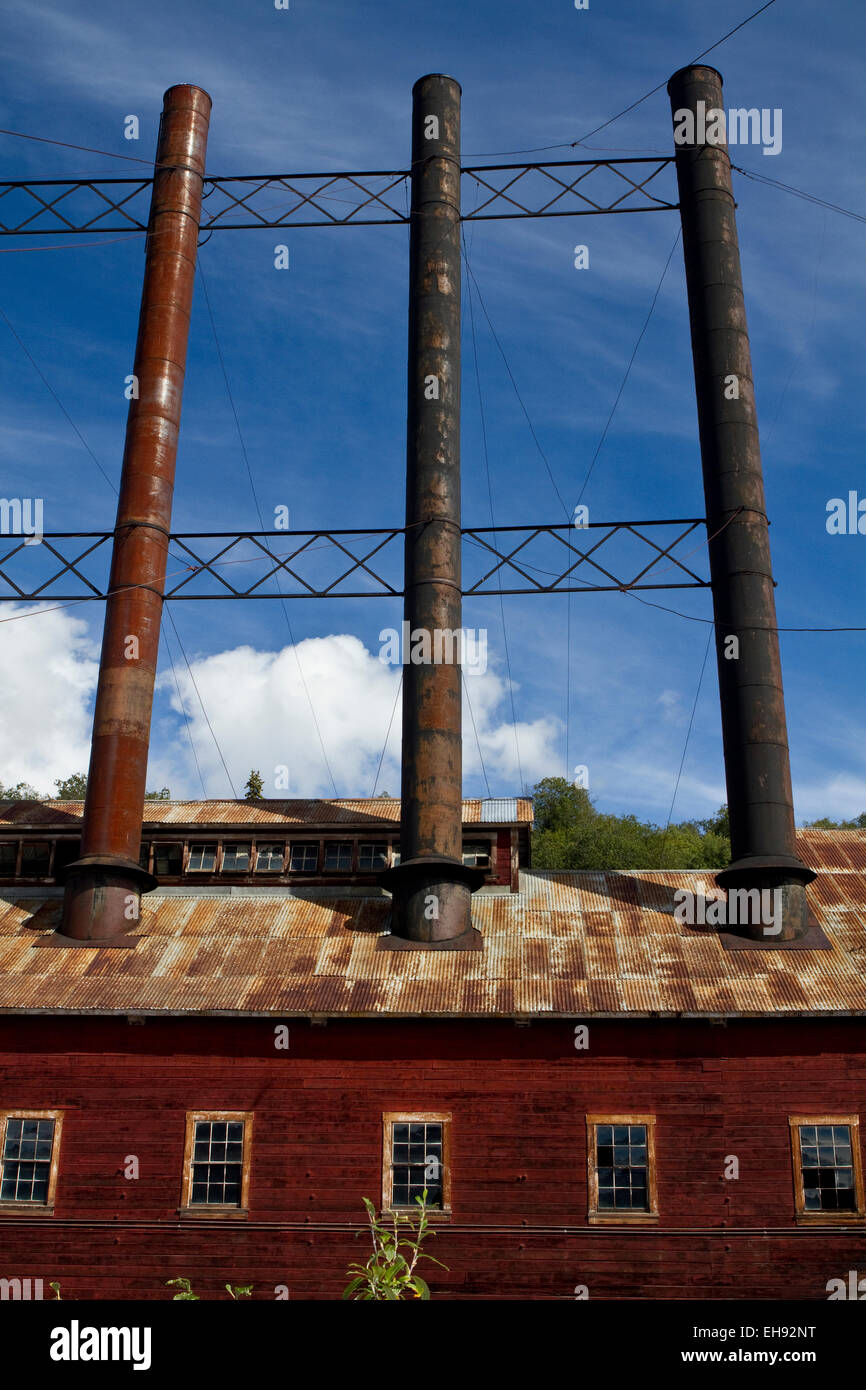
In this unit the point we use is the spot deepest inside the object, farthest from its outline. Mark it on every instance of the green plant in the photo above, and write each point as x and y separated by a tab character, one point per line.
254	788
56	1287
388	1275
186	1293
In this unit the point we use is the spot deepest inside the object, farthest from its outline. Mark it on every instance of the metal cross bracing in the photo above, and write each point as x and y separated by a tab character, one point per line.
66	207
542	559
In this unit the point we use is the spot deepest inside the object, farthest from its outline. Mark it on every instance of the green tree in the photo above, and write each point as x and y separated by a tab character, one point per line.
162	795
71	788
559	805
19	791
255	787
825	823
570	833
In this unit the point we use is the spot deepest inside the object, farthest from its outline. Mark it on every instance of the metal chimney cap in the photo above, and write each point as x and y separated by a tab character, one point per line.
445	77
693	67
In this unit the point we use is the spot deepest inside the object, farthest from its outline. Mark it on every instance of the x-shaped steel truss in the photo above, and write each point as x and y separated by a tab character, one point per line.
566	580
346	557
551	185
65	207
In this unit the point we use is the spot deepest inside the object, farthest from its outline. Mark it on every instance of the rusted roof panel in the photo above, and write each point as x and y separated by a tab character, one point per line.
279	814
833	849
569	944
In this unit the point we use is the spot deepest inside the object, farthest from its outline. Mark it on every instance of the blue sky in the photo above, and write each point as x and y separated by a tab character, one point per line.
316	363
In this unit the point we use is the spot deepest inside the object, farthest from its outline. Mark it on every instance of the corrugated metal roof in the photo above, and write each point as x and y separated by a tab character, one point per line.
496	809
569	944
276	813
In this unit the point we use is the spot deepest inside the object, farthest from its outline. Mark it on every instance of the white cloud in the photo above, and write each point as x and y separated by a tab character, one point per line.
49	668
840	796
259	707
672	706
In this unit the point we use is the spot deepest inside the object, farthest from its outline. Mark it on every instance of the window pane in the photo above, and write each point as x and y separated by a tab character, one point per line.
8	857
167	860
304	857
372	856
34	860
269	858
26	1160
216	1165
416	1157
622	1167
828	1173
202	858
338	856
476	854
64	853
236	858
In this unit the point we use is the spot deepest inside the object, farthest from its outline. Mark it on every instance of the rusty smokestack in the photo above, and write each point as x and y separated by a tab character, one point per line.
103	887
431	888
757	766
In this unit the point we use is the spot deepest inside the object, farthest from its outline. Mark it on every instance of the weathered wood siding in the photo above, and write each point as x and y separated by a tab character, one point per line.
518	1097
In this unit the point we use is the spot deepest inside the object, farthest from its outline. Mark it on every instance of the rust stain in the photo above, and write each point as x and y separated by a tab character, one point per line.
66	815
569	944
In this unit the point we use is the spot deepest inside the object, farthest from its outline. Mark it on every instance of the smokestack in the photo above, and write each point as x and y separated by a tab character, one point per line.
431	888
103	887
757	767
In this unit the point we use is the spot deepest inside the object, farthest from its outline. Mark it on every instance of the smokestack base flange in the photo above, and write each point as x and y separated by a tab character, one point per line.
102	897
432	903
784	874
749	865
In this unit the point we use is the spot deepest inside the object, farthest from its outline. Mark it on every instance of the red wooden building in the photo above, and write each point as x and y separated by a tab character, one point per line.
602	1101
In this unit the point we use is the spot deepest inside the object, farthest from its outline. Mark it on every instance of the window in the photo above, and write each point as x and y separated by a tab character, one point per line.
372	857
236	858
35	860
269	858
167	860
622	1183
338	856
29	1144
828	1183
216	1161
202	858
65	851
8	858
143	855
395	855
477	855
416	1156
304	858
